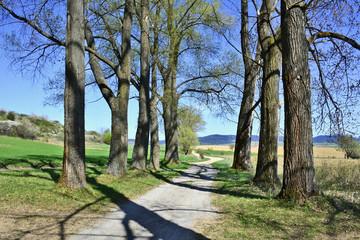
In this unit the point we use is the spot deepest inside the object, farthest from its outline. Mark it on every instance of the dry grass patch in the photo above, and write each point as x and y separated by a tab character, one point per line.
249	213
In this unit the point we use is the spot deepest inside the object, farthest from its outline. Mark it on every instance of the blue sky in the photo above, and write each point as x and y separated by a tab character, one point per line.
23	94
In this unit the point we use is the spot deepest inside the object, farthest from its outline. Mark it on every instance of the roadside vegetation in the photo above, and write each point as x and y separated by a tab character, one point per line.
32	203
248	212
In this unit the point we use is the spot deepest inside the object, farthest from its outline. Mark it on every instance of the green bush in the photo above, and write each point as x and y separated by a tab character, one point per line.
107	137
11	116
350	146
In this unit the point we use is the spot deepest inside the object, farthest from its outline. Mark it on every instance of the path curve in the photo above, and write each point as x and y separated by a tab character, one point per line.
170	211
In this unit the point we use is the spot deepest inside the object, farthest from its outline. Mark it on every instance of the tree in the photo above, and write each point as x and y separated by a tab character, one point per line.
154	142
242	153
183	39
104	64
349	145
73	174
189	123
299	181
266	167
140	151
120	66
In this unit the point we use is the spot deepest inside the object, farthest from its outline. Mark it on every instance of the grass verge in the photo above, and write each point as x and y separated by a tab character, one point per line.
249	213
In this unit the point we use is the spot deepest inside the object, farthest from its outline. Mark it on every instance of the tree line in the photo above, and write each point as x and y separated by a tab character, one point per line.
173	43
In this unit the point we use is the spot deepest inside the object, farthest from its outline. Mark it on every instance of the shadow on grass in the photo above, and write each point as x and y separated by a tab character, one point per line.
46	161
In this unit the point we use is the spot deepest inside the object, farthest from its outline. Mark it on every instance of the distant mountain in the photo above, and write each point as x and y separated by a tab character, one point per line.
327	139
323	139
218	139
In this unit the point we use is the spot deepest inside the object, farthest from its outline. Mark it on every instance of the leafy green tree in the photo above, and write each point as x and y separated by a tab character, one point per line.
349	145
189	122
187	139
107	137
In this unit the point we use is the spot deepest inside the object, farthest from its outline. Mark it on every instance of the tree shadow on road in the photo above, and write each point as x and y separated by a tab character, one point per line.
157	226
201	174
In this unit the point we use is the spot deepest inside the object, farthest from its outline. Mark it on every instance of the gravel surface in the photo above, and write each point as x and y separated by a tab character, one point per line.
171	211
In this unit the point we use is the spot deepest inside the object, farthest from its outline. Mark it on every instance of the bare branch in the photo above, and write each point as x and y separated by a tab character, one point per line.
33	25
333	35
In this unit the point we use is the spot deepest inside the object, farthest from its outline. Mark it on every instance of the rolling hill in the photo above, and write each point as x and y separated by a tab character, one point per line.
218	139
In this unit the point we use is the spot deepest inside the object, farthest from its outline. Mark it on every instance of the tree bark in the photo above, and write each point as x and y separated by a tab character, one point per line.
119	140
140	151
299	174
73	175
155	144
170	98
266	168
242	152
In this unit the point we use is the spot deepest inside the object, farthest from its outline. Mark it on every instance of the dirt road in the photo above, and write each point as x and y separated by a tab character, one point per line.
171	211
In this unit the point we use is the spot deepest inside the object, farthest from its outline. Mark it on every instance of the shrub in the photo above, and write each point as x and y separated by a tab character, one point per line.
107	137
11	116
3	114
349	145
201	153
8	128
26	129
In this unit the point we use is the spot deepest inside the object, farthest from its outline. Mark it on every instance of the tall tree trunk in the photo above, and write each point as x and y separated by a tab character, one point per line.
266	168
299	173
119	140
139	157
117	161
155	144
170	99
170	120
73	174
242	153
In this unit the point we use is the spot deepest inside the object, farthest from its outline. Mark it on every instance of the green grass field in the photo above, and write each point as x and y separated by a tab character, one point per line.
30	198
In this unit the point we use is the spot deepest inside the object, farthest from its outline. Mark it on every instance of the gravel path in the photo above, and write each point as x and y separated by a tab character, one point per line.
171	211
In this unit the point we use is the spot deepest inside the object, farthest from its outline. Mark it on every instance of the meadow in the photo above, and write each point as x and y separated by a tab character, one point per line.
33	205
